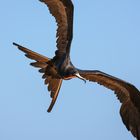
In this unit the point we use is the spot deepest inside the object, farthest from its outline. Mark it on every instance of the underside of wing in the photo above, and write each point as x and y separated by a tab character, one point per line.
128	95
62	10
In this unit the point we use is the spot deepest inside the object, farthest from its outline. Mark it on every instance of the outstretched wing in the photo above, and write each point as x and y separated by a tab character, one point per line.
41	62
62	10
128	95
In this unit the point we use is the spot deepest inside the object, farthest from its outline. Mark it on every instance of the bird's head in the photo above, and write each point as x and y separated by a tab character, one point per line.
79	76
73	72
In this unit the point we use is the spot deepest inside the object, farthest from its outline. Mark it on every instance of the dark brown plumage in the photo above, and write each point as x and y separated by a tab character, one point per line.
59	68
128	95
62	10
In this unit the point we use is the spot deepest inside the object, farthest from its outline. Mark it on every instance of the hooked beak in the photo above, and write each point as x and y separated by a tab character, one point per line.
80	77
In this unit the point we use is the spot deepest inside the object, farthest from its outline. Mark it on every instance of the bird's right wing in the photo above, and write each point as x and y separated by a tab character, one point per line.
62	10
128	95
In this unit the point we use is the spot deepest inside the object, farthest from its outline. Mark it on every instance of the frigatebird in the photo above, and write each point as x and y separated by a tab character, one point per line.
60	68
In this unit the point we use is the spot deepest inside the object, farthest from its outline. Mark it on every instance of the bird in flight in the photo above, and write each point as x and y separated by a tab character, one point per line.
60	68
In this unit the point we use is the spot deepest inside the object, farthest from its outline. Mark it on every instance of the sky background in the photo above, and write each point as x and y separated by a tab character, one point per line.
106	38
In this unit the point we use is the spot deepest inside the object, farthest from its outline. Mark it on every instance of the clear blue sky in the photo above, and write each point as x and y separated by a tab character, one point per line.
106	37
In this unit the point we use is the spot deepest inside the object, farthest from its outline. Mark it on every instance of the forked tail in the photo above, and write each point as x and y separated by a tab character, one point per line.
42	63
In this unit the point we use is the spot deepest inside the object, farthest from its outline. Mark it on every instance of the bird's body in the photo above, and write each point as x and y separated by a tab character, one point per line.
60	68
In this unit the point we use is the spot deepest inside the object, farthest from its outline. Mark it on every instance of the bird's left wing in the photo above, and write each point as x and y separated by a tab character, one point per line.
128	95
62	10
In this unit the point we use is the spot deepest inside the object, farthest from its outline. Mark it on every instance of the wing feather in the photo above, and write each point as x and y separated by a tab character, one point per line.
62	10
128	95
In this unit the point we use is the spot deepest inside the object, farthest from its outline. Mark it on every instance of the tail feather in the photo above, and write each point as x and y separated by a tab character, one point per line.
38	64
42	62
32	55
